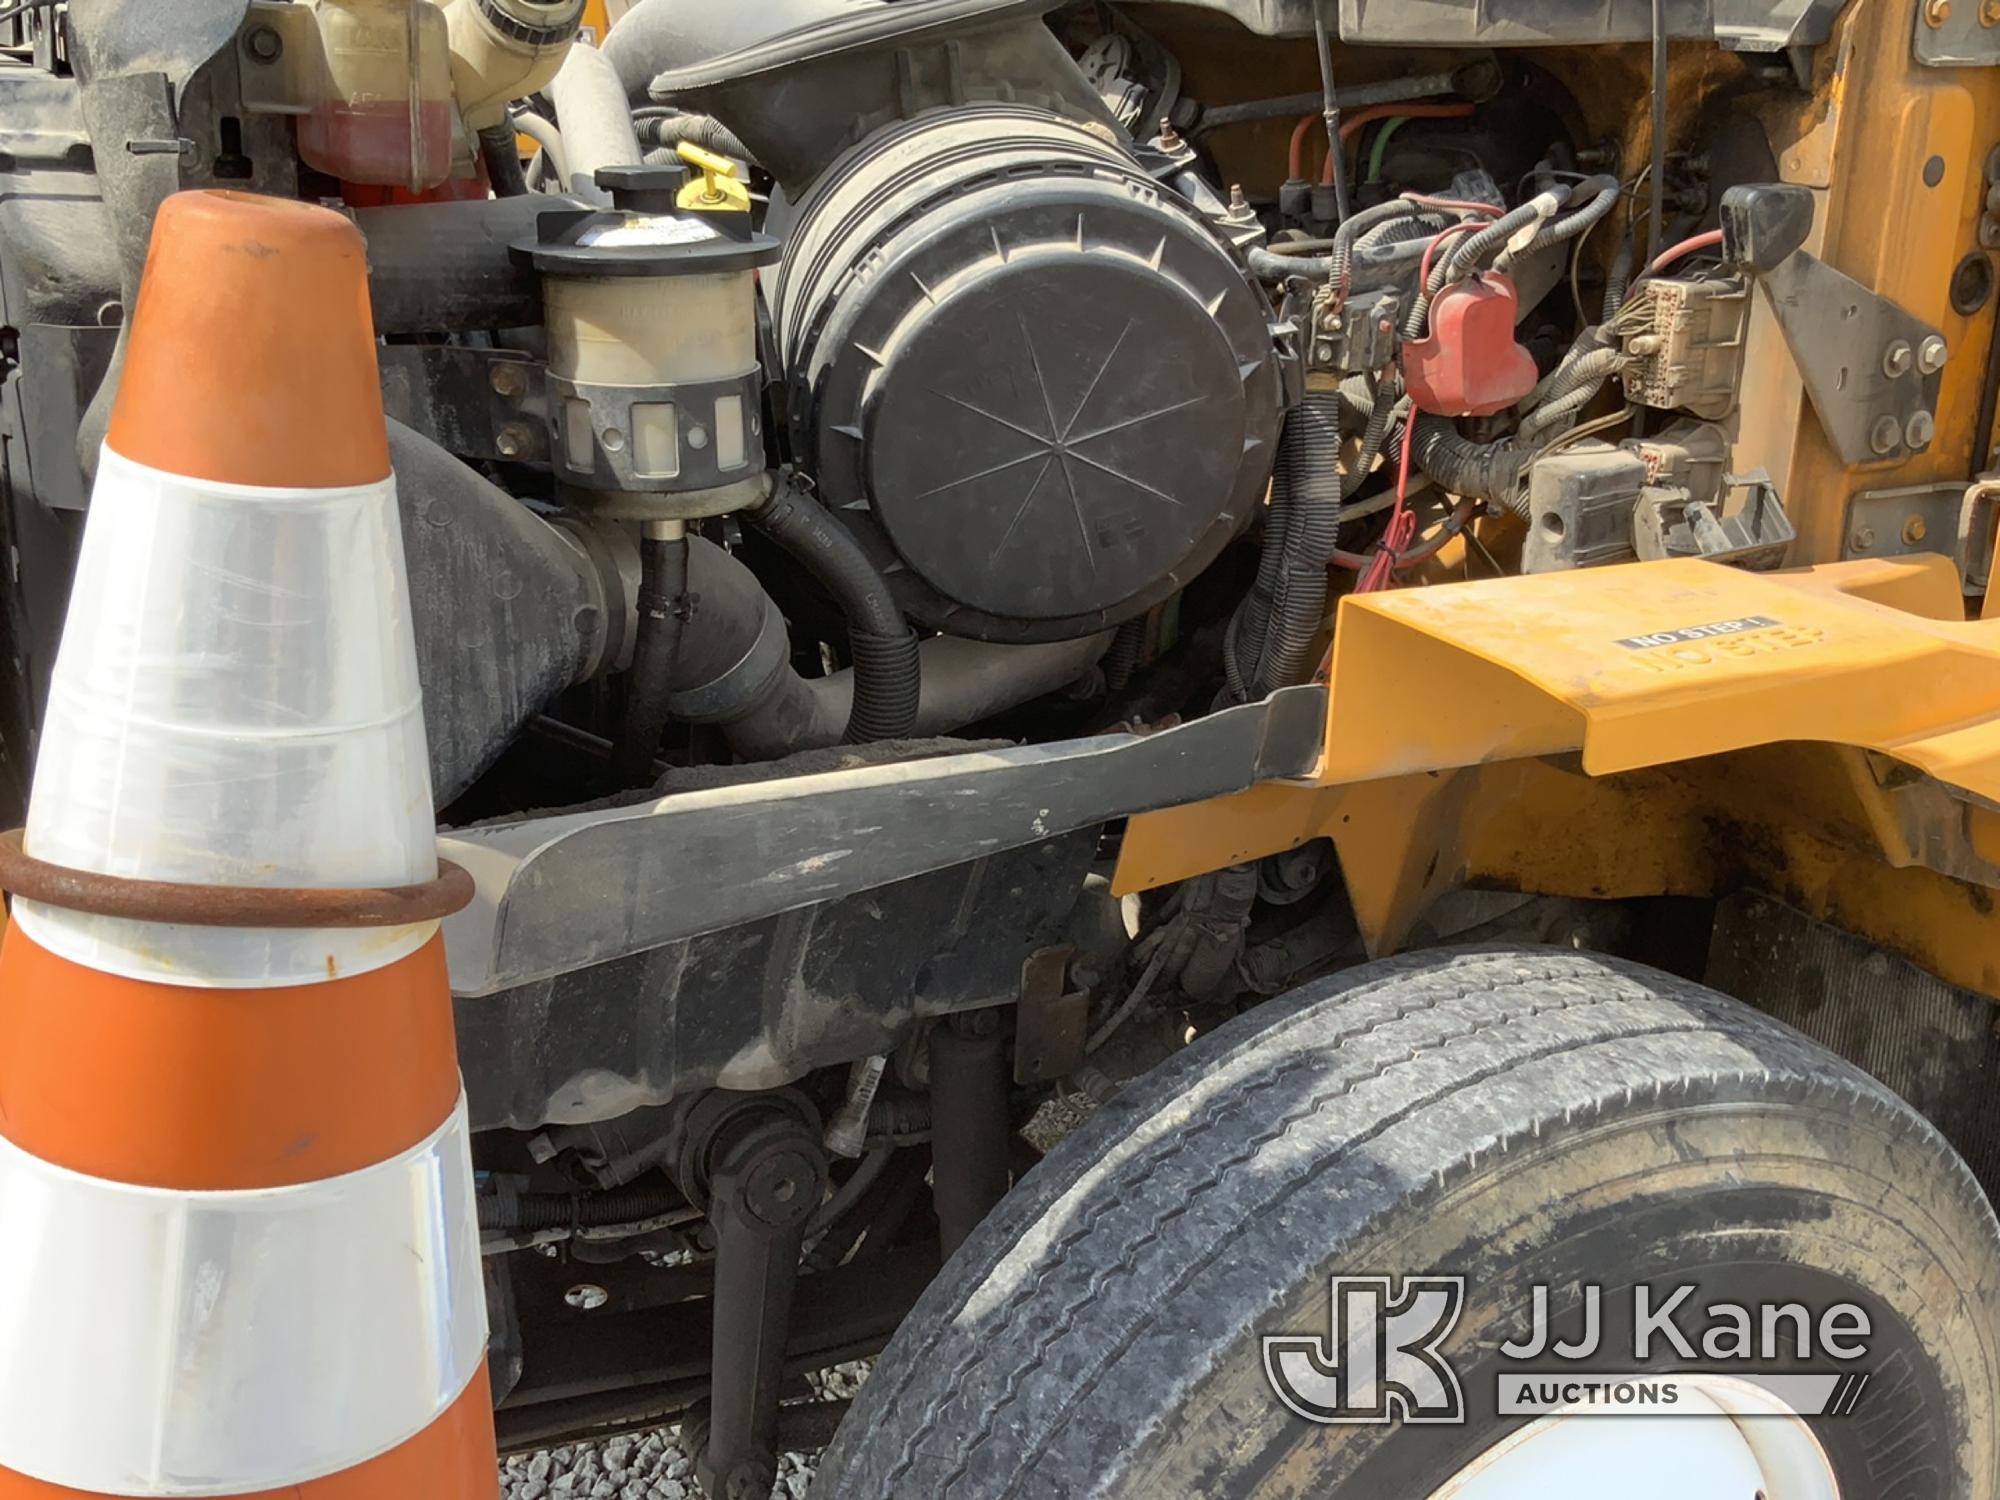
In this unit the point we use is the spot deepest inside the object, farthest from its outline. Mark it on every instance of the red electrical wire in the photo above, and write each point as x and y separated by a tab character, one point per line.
1380	571
1295	163
1686	247
1402	527
1349	124
1460	205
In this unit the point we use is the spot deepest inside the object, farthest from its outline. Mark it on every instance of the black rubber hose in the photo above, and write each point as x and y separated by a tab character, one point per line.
1400	232
1310	454
1466	255
662	621
1571	386
1352	404
1485	471
539	1213
1243	647
1268	265
1122	660
670	128
887	669
502	155
1618	279
1321	489
1561	407
1605	192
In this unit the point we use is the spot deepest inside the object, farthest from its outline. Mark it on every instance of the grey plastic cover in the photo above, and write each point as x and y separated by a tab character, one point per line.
695	47
1741	25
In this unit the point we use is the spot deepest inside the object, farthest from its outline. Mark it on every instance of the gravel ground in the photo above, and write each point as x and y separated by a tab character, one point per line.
652	1465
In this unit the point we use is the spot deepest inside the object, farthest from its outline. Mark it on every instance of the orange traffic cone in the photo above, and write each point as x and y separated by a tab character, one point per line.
238	1248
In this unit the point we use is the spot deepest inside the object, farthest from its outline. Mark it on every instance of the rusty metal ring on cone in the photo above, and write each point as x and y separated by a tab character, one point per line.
32	879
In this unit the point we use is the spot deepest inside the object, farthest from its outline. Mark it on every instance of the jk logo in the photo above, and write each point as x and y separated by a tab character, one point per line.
1380	1362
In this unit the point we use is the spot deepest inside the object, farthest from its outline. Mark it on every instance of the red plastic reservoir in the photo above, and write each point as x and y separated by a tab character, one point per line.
384	116
1471	364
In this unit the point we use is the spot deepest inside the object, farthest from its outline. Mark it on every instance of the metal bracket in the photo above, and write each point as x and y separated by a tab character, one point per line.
693	436
1961	35
1905	520
1871	369
479	403
1052	1021
281	59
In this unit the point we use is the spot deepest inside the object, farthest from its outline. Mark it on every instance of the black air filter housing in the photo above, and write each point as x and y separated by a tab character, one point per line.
1031	379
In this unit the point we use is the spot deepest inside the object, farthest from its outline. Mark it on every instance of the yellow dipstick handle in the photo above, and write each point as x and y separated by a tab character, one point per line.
717	190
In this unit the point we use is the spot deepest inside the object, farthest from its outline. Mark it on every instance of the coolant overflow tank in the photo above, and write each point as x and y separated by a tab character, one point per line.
655	390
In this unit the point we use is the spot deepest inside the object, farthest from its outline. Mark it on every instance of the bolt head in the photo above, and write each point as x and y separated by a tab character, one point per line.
1914	531
1886	435
507	380
1936	13
1921	429
1931	354
511	441
1897	359
1989	12
263	44
1864	539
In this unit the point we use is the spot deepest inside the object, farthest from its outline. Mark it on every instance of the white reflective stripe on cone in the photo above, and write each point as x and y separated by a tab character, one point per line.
235	702
224	1343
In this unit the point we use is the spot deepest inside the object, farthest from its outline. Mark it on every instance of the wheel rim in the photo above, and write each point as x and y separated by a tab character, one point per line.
1745	1445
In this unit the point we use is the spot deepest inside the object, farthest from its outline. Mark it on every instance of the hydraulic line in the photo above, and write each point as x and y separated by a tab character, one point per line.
663	560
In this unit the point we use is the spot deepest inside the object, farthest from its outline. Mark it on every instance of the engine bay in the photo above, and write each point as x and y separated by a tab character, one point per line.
820	389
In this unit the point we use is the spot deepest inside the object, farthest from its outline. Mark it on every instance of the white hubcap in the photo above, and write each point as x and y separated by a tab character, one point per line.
1743	1446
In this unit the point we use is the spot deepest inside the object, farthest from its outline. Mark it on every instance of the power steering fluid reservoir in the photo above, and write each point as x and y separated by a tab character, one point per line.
655	387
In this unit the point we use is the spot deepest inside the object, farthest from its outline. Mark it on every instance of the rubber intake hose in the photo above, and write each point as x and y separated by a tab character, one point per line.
663	608
888	676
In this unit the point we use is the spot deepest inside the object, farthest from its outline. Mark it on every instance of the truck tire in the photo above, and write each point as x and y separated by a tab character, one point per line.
1520	1118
